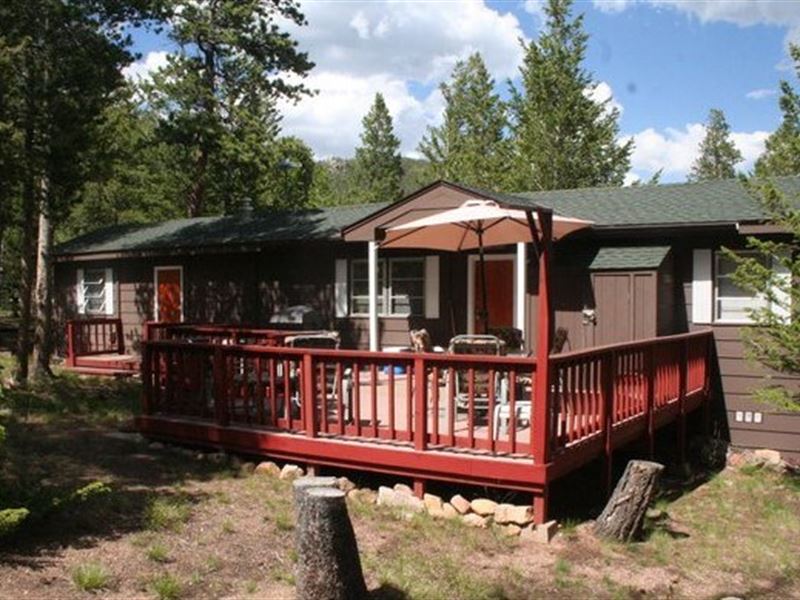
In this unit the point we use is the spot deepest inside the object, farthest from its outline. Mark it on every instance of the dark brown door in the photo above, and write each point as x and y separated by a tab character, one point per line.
170	295
499	294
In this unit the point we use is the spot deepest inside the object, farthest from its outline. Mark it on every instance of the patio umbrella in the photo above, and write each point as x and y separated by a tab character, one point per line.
476	224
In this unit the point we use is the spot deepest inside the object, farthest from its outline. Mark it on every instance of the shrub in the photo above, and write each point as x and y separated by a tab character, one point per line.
166	587
91	577
167	513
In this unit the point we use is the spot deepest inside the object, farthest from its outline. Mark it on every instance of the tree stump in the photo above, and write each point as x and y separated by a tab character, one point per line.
623	516
302	485
328	564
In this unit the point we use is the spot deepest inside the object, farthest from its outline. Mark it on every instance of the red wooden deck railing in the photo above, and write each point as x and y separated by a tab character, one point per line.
429	416
220	334
93	336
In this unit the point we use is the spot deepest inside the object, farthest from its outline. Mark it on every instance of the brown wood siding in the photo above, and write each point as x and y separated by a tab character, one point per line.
739	378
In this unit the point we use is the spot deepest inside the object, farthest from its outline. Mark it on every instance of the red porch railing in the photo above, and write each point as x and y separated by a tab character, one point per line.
94	336
428	416
219	334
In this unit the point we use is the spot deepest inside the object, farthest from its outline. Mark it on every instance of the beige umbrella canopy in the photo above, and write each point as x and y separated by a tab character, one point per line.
476	224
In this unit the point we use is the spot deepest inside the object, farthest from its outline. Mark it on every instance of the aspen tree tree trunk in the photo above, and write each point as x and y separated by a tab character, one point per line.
42	349
623	516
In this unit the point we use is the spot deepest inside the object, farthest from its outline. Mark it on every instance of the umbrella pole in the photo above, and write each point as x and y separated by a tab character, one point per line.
484	313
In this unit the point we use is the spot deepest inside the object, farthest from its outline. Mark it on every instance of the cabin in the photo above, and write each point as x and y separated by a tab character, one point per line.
648	270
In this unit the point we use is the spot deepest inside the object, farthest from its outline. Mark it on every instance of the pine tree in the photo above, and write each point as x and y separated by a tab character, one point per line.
718	154
379	167
217	95
562	137
469	146
782	153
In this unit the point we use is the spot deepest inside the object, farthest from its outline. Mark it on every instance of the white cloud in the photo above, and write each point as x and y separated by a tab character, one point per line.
141	70
330	122
602	92
402	49
611	6
675	150
760	93
744	13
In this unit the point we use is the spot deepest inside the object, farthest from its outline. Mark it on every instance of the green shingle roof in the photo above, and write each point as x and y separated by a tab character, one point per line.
725	201
710	202
640	257
255	228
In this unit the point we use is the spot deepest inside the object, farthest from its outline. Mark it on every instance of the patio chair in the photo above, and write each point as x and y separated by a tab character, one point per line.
328	341
522	408
488	345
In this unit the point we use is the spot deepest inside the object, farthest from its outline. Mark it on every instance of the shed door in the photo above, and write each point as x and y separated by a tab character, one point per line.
169	294
625	307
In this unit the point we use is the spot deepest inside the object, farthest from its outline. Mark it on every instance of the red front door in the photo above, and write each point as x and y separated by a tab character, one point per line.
499	294
169	295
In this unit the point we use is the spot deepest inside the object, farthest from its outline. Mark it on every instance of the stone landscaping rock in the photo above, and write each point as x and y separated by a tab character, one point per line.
771	457
433	504
403	489
545	532
389	497
364	495
512	514
247	469
268	468
216	457
483	506
291	472
473	520
655	514
156	446
460	504
344	484
510	530
448	512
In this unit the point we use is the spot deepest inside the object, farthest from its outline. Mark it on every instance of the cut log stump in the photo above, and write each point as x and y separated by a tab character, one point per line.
328	564
623	516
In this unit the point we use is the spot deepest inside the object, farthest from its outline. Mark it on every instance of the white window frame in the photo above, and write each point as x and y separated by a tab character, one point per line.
109	297
155	286
756	302
385	292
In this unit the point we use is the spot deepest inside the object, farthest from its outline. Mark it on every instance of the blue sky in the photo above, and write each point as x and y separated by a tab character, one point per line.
663	62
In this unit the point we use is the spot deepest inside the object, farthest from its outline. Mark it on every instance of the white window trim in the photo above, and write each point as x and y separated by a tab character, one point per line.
384	293
109	295
717	254
155	286
472	260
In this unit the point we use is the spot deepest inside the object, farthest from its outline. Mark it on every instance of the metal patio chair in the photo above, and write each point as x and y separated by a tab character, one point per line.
488	345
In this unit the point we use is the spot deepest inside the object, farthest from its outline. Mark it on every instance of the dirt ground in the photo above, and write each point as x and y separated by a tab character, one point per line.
176	523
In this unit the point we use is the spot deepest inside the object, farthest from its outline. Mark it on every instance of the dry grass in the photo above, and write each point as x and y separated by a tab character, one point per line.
177	527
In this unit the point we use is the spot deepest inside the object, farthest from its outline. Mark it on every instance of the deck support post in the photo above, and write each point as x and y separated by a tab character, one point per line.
682	367
220	389
541	402
607	417
521	287
372	267
541	505
147	379
70	344
420	434
419	487
308	400
650	400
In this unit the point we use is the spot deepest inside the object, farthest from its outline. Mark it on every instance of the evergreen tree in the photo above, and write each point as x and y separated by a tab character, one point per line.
773	339
378	168
562	137
469	146
782	153
217	95
718	154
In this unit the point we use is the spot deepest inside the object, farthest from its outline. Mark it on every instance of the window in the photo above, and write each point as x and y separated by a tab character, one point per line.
95	292
732	302
401	286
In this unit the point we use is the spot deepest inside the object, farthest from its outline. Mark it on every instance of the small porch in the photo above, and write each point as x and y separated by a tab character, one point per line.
431	417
